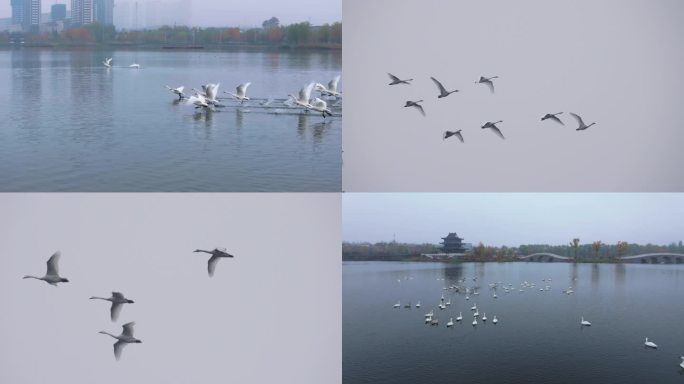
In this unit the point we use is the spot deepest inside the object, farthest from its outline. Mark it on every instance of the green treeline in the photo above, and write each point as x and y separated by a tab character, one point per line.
271	33
596	251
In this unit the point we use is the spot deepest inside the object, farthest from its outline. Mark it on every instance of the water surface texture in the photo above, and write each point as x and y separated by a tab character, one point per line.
538	338
70	124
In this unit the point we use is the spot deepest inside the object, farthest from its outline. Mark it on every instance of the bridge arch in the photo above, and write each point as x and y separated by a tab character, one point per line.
655	258
544	257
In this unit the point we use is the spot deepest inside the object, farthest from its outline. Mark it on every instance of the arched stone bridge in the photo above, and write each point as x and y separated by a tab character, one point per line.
656	258
544	257
646	258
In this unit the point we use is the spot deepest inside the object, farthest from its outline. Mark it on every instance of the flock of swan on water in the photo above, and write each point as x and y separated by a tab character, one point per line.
432	320
488	81
118	299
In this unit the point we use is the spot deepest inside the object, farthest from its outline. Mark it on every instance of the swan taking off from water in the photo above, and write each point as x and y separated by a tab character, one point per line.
241	94
52	275
553	116
494	128
442	91
396	80
487	81
178	91
321	106
216	254
118	300
582	126
584	322
124	338
198	101
650	344
416	105
304	95
331	90
108	62
458	134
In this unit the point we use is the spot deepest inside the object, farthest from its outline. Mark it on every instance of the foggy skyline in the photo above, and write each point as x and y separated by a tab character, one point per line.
513	219
218	13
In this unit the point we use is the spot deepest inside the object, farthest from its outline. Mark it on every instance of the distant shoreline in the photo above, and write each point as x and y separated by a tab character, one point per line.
176	47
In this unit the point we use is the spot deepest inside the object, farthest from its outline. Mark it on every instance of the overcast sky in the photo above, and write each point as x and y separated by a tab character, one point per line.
514	218
270	315
615	62
231	13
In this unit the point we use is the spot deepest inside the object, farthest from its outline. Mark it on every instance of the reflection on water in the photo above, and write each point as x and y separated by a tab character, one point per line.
124	126
538	337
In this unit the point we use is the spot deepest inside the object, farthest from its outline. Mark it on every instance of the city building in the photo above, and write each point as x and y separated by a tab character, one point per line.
103	11
26	13
58	12
452	244
81	12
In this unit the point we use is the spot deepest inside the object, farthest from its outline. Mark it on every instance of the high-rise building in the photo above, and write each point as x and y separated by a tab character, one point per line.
26	13
103	11
81	12
58	12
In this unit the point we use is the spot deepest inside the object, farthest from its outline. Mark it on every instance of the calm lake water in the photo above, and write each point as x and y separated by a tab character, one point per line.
538	338
69	124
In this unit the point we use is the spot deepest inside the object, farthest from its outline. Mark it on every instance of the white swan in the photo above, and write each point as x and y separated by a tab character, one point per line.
397	305
467	297
216	254
178	91
484	316
442	91
52	275
475	321
331	89
474	307
650	344
134	66
321	106
198	100
117	300
495	320
448	302
418	304
211	92
451	322
487	81
582	126
584	322
241	94
554	117
460	317
108	62
304	96
494	128
396	80
124	338
682	363
416	105
477	313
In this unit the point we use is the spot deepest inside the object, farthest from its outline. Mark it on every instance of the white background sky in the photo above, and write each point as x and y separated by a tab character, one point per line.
614	62
514	218
270	315
237	13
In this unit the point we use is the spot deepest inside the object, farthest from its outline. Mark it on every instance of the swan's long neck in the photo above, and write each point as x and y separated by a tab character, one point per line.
107	333
590	125
202	250
99	298
32	277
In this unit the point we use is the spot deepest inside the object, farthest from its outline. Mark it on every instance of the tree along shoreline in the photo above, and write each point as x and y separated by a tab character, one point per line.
595	252
175	47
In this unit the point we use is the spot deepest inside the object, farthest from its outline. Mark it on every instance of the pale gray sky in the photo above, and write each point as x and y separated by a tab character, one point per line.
617	63
271	314
231	13
514	218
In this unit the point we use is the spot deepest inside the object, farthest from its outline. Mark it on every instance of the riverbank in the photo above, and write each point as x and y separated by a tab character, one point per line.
175	47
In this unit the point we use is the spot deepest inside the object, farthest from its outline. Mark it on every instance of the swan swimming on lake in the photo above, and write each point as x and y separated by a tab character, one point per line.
304	96
108	62
650	344
458	134
178	91
554	117
474	321
460	316
495	320
216	254
418	304
474	307
484	316
331	90
582	126
682	363
451	322
126	337
494	128
134	66
397	305
241	94
118	300
396	80
442	91
415	105
584	322
52	275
